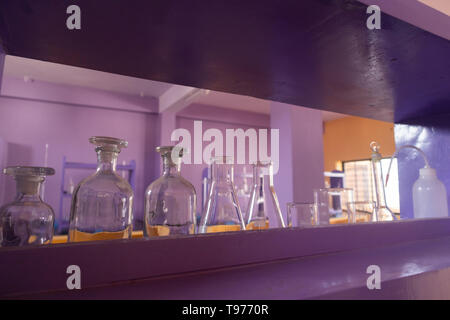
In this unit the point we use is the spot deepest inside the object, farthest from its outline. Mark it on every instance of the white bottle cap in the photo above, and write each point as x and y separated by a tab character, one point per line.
427	172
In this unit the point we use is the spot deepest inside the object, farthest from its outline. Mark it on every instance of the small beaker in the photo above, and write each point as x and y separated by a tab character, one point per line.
332	205
361	211
301	214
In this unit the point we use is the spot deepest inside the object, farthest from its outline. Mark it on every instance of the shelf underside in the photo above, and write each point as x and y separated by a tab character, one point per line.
310	53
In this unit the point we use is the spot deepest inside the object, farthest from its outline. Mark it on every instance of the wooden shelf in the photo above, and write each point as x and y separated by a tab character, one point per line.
41	271
317	54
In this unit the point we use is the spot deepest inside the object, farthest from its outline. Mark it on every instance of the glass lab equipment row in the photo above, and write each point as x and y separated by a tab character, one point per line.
102	204
338	205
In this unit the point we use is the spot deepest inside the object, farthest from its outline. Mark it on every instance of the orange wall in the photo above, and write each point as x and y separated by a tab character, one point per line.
349	138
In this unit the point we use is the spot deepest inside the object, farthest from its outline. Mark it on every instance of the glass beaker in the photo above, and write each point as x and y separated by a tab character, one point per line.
170	201
257	215
102	203
222	211
27	220
301	214
332	205
361	211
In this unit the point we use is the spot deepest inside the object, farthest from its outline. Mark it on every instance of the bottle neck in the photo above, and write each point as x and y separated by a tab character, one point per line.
106	161
168	166
258	176
28	188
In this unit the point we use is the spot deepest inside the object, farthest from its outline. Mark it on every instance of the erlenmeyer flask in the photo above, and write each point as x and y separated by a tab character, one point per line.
27	220
102	203
170	201
222	211
243	186
257	215
382	211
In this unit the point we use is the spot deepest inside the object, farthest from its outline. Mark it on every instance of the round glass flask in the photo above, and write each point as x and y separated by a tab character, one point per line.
222	211
170	201
27	220
102	203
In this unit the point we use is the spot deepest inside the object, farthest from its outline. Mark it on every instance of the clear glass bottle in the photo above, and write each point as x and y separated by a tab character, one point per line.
27	220
102	203
170	201
222	211
258	207
382	211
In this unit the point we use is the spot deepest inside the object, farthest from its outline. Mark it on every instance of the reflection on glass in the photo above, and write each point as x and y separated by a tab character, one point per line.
383	213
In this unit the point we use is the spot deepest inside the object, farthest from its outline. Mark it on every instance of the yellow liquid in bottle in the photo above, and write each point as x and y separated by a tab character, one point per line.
258	225
223	228
157	231
79	236
161	231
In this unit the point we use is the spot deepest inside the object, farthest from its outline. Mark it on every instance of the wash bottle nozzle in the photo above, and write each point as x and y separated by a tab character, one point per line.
427	164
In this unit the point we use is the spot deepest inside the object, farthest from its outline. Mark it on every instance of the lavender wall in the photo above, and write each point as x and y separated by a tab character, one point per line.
2	65
28	124
432	135
64	117
301	159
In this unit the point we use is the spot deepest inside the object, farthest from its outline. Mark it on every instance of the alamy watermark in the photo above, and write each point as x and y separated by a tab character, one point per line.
374	280
74	280
374	20
73	22
233	145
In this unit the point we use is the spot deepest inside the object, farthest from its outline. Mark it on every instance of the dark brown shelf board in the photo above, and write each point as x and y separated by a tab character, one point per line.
27	271
311	53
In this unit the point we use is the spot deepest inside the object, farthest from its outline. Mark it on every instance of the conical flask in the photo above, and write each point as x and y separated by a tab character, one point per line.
382	211
170	201
222	211
257	215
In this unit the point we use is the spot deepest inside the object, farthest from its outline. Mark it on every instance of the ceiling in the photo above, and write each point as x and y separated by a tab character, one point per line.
36	70
439	5
63	74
